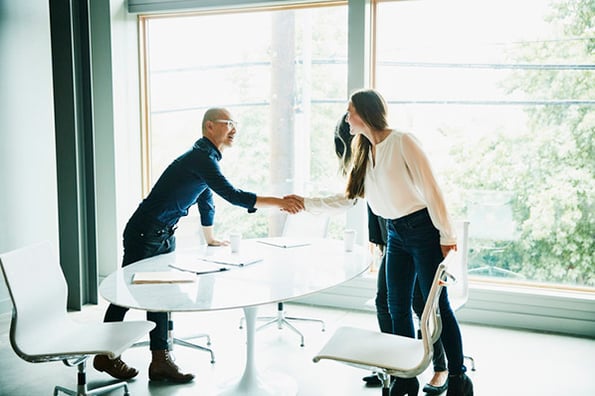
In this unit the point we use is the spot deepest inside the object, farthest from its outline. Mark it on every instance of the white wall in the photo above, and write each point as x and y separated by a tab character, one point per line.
28	188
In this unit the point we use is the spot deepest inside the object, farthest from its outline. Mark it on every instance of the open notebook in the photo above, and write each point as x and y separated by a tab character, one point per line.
284	242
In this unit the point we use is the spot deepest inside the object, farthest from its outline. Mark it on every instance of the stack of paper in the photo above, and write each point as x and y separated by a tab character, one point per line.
163	277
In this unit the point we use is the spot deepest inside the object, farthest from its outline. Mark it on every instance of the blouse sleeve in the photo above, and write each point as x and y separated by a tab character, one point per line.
423	177
332	204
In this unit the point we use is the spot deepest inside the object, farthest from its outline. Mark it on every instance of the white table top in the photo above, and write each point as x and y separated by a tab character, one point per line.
283	274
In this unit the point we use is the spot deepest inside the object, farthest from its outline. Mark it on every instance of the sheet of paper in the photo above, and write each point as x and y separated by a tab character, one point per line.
284	242
199	267
163	277
237	259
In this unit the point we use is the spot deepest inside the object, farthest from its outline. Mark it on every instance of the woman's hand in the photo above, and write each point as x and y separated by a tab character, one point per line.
292	204
447	248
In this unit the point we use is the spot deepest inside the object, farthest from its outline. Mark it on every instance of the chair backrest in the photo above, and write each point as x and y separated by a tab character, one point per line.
430	324
38	292
306	224
458	292
491	213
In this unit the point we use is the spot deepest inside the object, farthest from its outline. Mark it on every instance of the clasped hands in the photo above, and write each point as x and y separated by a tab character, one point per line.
292	204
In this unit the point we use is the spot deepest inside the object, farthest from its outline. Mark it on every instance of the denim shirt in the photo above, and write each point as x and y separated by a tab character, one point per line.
190	179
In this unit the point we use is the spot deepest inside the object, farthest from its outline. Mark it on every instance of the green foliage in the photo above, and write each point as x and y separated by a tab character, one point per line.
550	167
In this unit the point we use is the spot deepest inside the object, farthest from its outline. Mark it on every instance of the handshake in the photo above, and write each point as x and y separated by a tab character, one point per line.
292	203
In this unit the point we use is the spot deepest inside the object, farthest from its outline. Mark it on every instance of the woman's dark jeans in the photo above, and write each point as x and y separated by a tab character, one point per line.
143	241
414	251
385	322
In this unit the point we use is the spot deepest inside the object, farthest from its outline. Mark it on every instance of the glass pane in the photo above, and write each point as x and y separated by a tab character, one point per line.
502	95
283	77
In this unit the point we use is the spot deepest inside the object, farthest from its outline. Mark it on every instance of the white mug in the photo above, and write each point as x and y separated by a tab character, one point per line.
234	242
349	239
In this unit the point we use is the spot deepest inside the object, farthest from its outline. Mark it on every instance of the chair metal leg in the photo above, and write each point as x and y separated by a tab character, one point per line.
81	387
183	341
280	321
188	344
308	320
173	340
471	360
385	379
58	389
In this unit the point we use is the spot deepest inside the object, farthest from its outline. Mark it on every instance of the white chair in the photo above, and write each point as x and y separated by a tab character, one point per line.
389	354
458	293
301	225
42	331
494	228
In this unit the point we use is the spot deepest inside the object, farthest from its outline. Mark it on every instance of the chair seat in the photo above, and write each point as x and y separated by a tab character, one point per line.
72	339
373	349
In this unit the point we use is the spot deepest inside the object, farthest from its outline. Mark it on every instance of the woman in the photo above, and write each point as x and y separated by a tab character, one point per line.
391	170
377	235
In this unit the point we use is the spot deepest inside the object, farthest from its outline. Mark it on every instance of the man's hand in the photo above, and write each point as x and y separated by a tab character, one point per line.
210	237
292	204
216	242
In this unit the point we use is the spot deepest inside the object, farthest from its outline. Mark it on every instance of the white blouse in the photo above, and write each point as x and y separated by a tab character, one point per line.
400	182
332	204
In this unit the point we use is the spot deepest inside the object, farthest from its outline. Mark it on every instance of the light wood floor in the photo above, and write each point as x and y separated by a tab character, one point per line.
509	362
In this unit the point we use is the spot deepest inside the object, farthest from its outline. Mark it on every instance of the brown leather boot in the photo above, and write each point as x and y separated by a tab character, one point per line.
114	367
162	368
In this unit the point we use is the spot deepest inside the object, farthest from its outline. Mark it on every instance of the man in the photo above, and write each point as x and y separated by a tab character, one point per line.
190	179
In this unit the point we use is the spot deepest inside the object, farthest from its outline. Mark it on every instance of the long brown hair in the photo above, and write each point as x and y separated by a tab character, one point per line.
371	108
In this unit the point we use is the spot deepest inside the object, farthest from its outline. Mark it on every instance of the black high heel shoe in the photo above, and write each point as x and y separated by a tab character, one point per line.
372	381
404	386
432	390
459	385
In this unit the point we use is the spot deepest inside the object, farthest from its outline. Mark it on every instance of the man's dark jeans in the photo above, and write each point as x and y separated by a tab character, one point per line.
144	240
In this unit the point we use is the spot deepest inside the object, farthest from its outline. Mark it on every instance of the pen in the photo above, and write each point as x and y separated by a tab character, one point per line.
213	271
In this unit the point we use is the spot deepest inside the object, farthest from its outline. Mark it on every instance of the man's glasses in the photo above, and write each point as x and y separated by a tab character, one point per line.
231	124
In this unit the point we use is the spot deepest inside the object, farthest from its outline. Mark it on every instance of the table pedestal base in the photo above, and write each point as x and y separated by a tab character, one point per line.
252	383
276	384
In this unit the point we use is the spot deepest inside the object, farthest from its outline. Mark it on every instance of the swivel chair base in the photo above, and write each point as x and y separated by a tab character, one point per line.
281	320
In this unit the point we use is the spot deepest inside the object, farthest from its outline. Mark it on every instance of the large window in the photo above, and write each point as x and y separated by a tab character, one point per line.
282	74
502	94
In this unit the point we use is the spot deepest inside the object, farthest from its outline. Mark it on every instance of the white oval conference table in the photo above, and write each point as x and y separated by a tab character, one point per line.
282	274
